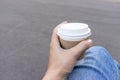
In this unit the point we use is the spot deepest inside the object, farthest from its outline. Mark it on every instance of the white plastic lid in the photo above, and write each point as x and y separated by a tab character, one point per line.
74	31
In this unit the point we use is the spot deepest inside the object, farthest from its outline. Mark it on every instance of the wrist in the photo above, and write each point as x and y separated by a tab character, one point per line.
54	75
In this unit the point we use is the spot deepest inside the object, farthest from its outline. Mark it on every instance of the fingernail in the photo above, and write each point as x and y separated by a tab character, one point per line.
90	41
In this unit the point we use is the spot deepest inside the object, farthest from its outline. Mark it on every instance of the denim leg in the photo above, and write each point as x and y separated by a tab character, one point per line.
96	65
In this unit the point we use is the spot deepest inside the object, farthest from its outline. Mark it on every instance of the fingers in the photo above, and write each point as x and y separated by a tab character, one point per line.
54	39
81	47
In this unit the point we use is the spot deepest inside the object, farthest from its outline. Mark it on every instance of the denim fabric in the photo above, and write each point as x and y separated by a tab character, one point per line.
96	65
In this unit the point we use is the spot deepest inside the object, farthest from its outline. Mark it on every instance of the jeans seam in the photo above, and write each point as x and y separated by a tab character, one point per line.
117	73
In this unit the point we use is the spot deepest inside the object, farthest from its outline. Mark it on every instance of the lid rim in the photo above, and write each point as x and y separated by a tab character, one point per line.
76	39
89	31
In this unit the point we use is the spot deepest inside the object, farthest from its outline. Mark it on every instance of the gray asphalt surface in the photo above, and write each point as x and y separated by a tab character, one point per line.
26	27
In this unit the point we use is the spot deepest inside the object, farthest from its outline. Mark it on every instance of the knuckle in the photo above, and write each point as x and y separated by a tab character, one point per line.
72	52
85	44
54	29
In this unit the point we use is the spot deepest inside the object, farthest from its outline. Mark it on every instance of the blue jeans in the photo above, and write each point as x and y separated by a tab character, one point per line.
96	65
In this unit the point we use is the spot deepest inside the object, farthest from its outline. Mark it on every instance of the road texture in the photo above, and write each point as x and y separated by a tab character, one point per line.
26	27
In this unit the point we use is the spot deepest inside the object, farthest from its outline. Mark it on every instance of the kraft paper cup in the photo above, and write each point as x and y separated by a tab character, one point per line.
71	34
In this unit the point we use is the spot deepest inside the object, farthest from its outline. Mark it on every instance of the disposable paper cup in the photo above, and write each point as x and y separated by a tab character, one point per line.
71	34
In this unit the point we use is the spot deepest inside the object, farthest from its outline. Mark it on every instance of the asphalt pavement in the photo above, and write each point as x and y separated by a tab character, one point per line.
26	27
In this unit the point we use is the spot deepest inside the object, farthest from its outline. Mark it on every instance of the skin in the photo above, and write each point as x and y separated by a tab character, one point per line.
62	61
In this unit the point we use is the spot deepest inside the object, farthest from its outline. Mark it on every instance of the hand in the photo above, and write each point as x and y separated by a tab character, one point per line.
62	61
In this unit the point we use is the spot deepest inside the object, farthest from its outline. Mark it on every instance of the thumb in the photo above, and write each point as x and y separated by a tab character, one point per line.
81	47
